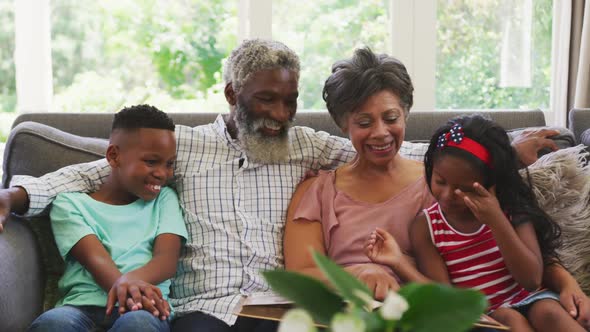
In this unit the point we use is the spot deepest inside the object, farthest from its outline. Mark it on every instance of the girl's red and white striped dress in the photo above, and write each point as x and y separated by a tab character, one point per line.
474	260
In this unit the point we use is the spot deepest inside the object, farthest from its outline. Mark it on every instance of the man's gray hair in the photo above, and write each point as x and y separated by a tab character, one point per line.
255	55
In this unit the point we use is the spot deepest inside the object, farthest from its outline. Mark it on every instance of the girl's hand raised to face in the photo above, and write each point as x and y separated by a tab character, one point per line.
483	204
382	248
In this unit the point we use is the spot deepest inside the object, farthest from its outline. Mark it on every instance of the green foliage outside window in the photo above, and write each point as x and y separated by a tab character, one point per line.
325	31
111	53
468	56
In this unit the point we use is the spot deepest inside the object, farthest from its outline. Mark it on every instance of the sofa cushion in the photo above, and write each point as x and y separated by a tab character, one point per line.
52	264
561	183
35	149
21	277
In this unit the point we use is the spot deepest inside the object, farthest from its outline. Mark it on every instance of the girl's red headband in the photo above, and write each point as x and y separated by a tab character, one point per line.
456	138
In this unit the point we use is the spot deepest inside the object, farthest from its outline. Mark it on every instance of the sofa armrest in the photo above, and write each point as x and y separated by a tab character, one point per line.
21	276
36	149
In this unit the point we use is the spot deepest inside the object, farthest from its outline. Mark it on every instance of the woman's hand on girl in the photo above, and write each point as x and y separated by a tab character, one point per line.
375	277
530	142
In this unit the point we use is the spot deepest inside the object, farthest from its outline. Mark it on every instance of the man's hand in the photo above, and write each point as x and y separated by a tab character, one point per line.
530	142
4	208
159	308
376	278
130	294
13	199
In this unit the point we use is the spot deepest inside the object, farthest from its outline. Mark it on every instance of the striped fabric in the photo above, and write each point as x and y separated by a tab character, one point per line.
474	260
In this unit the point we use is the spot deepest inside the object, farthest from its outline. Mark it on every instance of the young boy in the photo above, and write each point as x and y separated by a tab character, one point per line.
123	239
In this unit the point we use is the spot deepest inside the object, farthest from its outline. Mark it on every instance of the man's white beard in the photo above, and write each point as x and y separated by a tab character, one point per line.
258	147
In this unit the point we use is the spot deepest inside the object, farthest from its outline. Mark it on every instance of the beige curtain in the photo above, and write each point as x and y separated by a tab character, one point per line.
570	81
32	55
582	91
515	52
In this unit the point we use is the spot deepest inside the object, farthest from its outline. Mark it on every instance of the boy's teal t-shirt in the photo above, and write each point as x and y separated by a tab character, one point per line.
126	231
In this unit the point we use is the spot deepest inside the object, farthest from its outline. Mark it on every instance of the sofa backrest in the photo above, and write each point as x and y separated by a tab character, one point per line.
44	142
579	121
421	124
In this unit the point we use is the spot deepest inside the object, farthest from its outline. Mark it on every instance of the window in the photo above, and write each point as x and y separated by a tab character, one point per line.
493	54
460	53
7	73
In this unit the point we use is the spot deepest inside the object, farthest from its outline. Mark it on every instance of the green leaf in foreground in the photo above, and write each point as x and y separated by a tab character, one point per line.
442	308
307	293
345	283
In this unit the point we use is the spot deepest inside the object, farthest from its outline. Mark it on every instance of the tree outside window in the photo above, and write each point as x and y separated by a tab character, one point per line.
325	31
112	53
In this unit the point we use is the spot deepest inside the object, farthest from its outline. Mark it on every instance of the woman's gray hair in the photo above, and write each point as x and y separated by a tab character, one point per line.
356	79
255	55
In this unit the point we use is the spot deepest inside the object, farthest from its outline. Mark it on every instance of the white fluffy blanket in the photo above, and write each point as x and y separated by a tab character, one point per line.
561	183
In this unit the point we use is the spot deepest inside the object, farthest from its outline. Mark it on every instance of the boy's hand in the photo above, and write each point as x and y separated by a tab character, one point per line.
129	292
382	248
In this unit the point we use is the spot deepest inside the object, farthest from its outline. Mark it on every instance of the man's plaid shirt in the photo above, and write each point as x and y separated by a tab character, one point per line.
234	208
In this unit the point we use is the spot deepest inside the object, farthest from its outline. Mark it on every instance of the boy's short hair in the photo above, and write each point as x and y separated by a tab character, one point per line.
142	116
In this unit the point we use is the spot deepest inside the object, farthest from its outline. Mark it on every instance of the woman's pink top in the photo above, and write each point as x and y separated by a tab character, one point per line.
347	223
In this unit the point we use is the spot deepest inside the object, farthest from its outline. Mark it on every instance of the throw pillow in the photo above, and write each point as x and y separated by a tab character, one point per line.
35	149
561	183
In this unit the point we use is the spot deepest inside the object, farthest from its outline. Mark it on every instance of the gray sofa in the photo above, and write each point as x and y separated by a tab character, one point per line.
579	124
29	257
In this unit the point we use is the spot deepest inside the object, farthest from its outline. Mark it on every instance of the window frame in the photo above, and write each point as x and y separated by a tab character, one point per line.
412	27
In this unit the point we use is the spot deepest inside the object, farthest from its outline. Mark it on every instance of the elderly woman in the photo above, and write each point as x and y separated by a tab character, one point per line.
369	96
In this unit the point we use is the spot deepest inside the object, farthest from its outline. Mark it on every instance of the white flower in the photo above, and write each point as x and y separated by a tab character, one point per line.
347	322
393	307
368	299
297	320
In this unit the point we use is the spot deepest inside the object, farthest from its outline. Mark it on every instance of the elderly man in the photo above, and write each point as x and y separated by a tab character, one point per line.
234	178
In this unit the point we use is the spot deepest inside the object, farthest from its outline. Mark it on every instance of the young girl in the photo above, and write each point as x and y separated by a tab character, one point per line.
485	230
